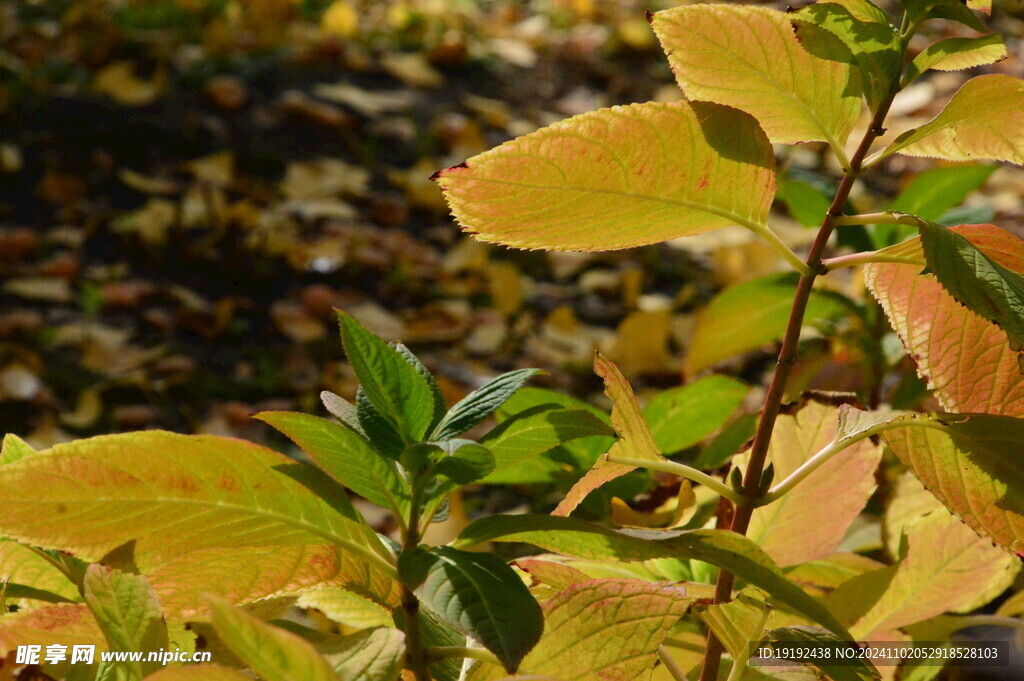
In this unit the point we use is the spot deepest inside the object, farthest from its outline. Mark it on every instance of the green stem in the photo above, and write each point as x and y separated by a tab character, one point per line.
670	665
683	471
887	217
416	657
442	652
778	245
866	258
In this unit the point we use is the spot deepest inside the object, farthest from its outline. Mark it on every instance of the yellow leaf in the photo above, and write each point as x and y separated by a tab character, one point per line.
119	82
340	19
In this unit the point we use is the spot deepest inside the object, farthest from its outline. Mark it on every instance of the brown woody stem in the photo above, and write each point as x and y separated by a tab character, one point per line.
783	369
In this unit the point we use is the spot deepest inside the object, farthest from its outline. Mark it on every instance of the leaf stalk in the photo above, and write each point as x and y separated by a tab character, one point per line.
684	471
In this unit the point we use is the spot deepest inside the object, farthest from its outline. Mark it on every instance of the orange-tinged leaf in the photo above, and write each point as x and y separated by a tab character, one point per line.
792	529
983	121
175	495
617	178
198	672
750	58
67	623
604	629
929	580
240	575
634	437
966	360
972	463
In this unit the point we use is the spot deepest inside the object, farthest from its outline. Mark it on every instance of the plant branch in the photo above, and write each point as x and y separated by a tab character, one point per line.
671	665
778	246
442	652
784	367
887	217
416	657
684	471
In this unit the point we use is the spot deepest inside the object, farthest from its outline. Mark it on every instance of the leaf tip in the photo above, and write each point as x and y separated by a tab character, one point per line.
440	173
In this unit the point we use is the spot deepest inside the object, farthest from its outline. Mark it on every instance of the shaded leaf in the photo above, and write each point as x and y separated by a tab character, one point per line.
954	10
479	595
983	121
617	178
369	655
198	672
750	58
273	653
464	461
681	417
481	403
345	456
750	315
580	539
25	570
343	410
857	669
604	629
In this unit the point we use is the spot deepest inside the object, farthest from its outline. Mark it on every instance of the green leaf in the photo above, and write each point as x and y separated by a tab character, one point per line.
956	54
464	461
857	669
972	464
807	204
368	655
761	308
750	58
580	539
129	614
983	121
929	579
530	398
435	390
25	571
481	403
532	432
727	443
978	282
634	437
345	456
479	595
273	653
346	607
681	417
854	32
618	178
919	11
14	448
393	386
177	494
931	195
603	629
343	410
382	434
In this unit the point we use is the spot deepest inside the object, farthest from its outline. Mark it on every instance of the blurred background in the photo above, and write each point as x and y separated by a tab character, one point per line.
189	187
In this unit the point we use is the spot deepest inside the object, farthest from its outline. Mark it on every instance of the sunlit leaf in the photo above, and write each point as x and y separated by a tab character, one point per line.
479	595
22	567
751	58
634	438
617	178
175	494
198	672
954	10
580	539
965	359
739	622
956	54
983	121
14	448
344	455
978	282
928	580
865	40
604	629
842	485
481	403
71	623
275	654
750	315
972	464
395	388
129	614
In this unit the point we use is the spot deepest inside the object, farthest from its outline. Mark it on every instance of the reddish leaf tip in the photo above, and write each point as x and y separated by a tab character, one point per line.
439	173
